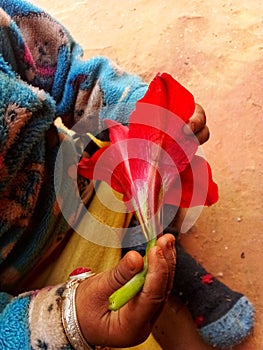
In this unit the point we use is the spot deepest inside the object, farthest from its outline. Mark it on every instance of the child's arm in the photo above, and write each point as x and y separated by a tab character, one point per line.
32	320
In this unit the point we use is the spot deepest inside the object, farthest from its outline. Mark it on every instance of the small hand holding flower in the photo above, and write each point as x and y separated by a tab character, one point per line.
131	324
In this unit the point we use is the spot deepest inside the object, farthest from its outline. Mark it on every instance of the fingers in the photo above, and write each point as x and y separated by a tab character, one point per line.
128	266
203	135
158	281
98	288
167	244
197	125
197	121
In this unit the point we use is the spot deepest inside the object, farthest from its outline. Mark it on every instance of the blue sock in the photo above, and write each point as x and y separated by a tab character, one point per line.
231	328
224	317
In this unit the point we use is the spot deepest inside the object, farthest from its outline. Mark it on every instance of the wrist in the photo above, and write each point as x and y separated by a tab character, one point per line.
69	314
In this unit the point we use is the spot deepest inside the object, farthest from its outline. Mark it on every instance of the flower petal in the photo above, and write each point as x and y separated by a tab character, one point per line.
117	131
166	92
194	187
99	167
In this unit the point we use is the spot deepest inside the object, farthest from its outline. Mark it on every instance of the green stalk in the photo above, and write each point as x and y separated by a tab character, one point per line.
124	294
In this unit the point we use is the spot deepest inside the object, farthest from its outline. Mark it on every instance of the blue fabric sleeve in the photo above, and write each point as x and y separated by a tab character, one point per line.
32	321
14	330
95	88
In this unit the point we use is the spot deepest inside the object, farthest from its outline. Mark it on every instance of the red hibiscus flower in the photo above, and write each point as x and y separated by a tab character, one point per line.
152	161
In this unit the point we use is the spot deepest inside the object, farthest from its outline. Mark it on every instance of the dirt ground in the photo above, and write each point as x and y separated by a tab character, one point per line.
214	48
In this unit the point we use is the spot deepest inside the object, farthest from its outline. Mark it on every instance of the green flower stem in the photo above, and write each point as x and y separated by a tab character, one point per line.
121	296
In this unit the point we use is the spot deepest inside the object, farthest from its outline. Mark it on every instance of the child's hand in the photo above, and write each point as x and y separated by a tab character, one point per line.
197	125
132	323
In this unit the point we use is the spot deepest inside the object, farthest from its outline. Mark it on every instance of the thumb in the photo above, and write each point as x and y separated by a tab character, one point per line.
130	265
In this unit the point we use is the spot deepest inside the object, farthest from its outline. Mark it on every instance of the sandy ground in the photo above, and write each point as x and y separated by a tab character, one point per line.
215	49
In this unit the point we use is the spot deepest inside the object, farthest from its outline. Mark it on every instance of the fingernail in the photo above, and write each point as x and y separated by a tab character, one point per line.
130	262
170	244
159	252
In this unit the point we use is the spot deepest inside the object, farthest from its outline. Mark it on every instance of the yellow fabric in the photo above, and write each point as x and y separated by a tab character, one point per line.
96	244
149	344
100	222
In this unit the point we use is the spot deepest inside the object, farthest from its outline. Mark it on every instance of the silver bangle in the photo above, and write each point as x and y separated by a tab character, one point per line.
69	314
